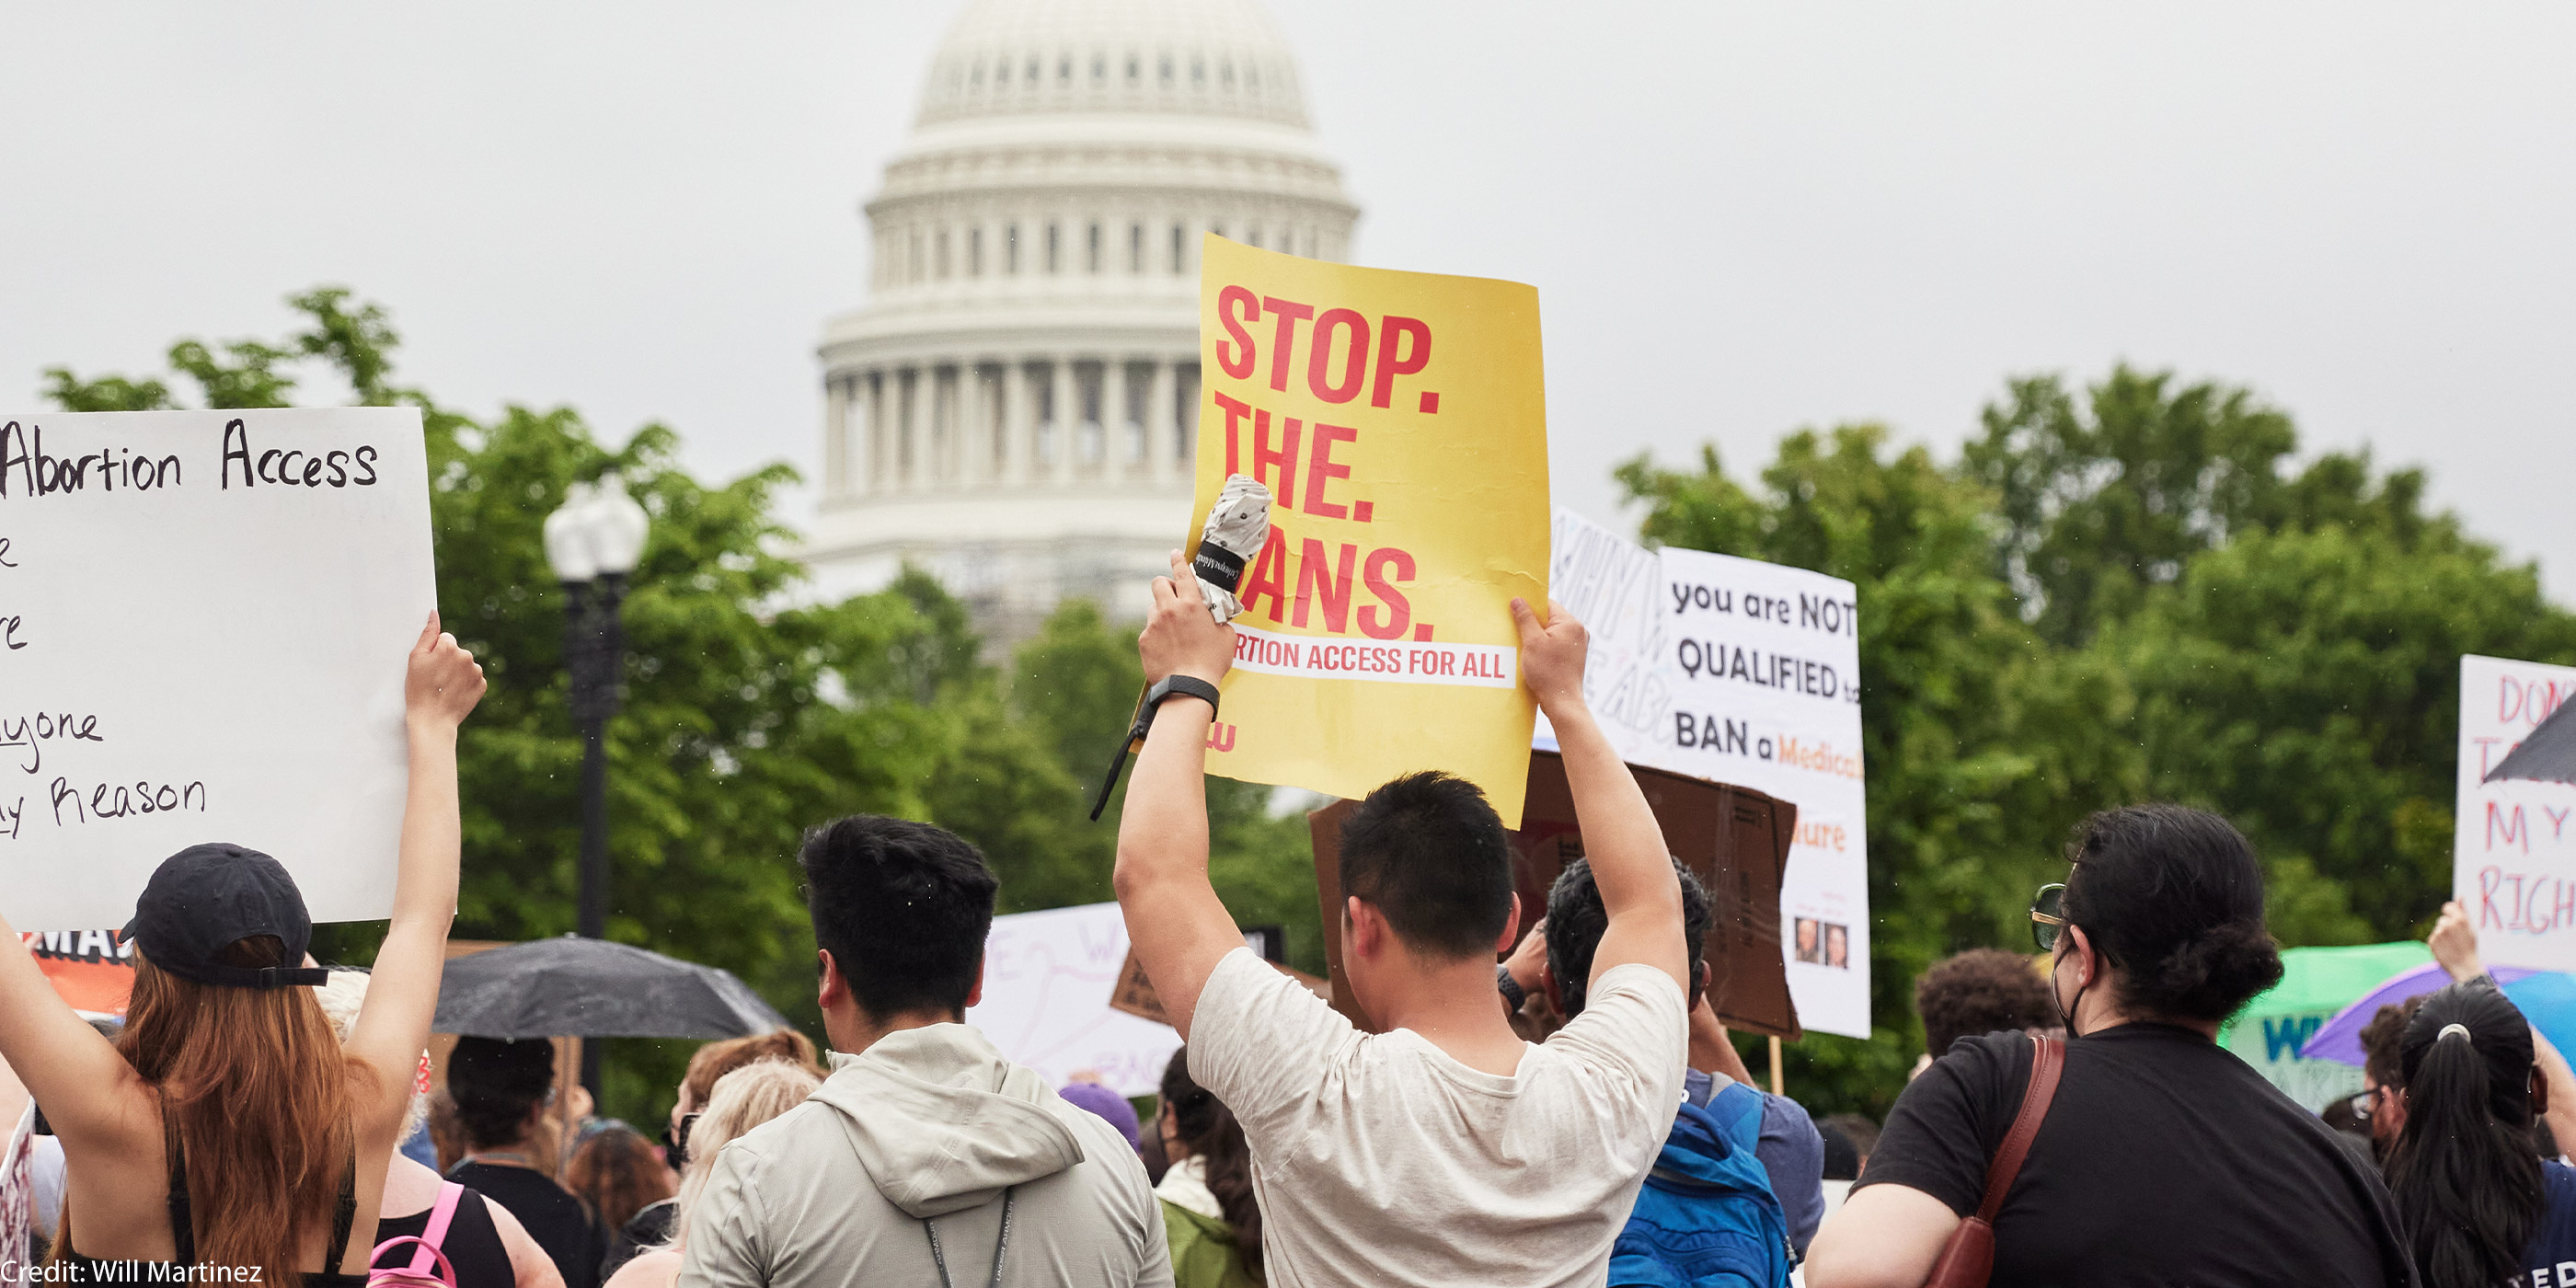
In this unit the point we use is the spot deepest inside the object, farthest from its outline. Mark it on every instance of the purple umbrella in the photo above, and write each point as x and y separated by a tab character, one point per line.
2340	1038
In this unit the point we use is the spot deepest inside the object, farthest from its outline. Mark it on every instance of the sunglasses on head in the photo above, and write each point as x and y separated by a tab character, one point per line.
2047	915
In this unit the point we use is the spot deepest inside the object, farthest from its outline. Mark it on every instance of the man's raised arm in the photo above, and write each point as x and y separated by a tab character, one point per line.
1620	836
1178	927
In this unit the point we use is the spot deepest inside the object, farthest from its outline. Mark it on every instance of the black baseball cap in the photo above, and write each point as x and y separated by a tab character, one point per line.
206	897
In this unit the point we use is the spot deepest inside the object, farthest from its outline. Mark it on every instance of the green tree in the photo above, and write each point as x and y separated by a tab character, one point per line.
2306	683
2096	507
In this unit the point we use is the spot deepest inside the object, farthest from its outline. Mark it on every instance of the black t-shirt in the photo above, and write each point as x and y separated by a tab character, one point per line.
553	1217
473	1244
2552	1254
2164	1160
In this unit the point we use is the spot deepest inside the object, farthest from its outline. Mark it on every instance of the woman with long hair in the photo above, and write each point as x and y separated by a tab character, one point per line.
2160	1158
228	1127
742	1100
1209	1216
616	1174
2478	1206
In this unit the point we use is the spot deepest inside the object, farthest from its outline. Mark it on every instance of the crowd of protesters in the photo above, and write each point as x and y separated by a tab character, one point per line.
1515	1095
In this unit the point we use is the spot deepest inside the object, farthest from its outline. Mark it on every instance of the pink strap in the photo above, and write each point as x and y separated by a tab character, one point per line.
440	1215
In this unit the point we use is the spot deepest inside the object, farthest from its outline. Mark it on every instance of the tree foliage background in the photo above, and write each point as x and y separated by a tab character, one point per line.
2135	590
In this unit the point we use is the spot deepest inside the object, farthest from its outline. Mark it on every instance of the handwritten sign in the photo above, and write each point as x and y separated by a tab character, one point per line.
1615	587
1050	979
2513	848
203	621
1400	424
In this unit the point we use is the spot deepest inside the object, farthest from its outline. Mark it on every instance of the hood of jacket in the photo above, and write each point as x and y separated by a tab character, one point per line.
943	1123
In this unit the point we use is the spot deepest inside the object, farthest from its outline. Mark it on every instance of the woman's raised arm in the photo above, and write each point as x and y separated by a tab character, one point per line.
441	686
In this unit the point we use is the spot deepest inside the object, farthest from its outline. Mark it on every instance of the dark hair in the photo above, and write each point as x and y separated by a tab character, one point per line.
615	1174
903	909
1576	920
495	1082
2173	898
1207	1127
1860	1130
1427	851
2383	1037
1841	1153
1983	990
2467	1185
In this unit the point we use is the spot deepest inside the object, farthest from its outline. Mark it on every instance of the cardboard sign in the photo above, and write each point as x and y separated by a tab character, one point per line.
1734	840
203	623
2513	851
1399	421
1050	983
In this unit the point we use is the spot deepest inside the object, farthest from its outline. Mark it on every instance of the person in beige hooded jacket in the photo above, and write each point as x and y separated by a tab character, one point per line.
926	1157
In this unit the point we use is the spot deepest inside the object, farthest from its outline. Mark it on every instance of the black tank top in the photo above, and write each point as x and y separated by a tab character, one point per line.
473	1244
183	1228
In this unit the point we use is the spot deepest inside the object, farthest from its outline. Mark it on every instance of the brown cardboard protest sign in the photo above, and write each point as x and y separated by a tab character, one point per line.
1734	839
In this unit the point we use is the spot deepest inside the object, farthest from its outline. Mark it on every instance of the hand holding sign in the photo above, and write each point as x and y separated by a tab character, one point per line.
442	683
1181	637
1552	656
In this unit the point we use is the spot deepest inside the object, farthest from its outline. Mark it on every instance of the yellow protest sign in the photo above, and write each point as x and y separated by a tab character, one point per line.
1399	420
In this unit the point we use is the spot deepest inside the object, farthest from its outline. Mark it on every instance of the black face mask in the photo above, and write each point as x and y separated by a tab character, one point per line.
675	1143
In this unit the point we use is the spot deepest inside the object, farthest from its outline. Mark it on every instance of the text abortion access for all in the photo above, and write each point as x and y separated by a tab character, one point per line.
203	621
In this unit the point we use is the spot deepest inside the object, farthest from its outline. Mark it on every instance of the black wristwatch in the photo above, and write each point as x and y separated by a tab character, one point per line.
1165	689
1171	686
1510	988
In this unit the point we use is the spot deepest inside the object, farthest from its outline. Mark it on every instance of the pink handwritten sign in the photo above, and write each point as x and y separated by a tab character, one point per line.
2513	849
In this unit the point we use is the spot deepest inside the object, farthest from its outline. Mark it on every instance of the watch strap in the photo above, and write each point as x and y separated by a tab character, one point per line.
1176	686
1170	686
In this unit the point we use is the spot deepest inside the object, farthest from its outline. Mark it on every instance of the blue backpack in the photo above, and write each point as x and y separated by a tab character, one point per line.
1707	1217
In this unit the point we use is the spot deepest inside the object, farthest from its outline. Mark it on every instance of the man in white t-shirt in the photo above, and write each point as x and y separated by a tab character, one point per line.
1444	1150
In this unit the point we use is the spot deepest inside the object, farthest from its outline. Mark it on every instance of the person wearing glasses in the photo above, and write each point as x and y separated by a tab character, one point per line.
2162	1159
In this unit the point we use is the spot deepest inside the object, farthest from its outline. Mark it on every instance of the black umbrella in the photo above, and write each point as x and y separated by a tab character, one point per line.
2548	755
592	988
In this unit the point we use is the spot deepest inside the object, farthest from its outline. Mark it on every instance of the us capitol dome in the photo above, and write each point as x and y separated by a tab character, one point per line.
1015	408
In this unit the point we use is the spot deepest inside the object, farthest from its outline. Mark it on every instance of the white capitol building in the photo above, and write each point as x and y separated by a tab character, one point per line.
1015	408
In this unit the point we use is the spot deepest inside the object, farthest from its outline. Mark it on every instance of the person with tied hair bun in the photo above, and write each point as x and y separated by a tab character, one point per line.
2162	1158
2478	1207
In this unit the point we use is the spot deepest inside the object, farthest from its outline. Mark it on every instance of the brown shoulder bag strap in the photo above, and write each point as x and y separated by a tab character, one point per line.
2047	1061
1968	1259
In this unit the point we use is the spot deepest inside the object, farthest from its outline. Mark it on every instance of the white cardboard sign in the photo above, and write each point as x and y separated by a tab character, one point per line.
1048	978
1742	672
204	617
2513	848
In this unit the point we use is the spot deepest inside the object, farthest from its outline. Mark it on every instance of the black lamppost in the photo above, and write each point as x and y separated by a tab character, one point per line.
593	542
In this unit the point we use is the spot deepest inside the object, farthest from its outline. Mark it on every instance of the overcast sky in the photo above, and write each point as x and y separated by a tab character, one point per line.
1741	219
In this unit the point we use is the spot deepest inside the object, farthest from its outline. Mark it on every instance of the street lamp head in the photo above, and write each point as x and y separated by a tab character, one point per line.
567	534
617	527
